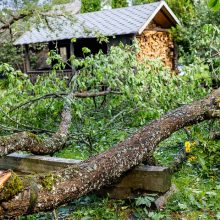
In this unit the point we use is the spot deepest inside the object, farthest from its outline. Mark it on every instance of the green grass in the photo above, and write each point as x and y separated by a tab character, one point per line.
197	196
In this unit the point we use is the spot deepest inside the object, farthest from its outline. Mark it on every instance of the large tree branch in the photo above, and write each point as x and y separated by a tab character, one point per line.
14	18
30	142
75	181
11	19
27	141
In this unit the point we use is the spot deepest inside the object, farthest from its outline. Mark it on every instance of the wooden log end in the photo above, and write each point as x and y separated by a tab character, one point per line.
4	177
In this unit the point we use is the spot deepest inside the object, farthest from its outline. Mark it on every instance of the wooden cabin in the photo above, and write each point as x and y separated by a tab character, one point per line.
149	23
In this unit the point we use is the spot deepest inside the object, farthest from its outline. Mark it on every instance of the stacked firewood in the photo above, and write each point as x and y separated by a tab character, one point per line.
156	43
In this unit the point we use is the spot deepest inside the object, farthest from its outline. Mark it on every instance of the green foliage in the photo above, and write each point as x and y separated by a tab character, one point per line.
143	213
214	4
57	2
198	180
196	194
145	200
90	5
183	9
12	187
11	55
17	88
96	208
198	40
148	91
205	151
119	3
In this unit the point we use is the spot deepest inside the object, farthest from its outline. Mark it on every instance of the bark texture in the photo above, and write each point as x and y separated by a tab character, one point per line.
27	141
47	192
30	142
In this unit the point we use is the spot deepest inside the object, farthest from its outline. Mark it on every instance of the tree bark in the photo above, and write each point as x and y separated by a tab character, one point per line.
27	141
41	193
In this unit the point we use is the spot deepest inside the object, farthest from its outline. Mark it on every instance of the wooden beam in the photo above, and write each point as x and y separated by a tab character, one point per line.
71	48
71	54
141	179
27	58
27	163
157	29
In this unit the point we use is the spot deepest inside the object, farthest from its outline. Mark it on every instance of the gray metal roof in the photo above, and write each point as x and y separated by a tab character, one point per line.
128	20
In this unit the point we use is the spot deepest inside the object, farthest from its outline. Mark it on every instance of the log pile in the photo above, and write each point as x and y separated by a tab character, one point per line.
156	43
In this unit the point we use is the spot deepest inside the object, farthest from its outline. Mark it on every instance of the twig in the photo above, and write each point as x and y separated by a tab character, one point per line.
24	125
51	95
179	159
55	214
60	95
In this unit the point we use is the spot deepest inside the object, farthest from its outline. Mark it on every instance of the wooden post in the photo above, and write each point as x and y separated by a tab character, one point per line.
27	58
175	56
71	54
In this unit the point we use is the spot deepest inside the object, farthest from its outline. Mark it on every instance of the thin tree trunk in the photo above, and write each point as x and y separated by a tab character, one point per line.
52	190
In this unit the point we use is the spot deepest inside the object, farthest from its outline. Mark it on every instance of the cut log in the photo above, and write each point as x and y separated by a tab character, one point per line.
4	177
47	192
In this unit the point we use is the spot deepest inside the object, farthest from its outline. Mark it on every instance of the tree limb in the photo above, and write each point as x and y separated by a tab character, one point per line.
30	142
61	95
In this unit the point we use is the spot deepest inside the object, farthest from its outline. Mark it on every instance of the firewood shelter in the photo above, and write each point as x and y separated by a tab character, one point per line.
148	23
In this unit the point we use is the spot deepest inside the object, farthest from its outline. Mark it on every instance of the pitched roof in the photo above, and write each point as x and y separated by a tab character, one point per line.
121	21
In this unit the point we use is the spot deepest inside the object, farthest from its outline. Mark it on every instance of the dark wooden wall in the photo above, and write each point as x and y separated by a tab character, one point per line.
91	43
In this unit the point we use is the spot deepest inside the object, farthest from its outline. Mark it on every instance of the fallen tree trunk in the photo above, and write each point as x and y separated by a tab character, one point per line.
42	193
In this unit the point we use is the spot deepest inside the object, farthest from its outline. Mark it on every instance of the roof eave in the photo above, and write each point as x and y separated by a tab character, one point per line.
162	4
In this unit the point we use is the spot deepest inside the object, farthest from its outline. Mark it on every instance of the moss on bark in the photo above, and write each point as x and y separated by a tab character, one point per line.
12	187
